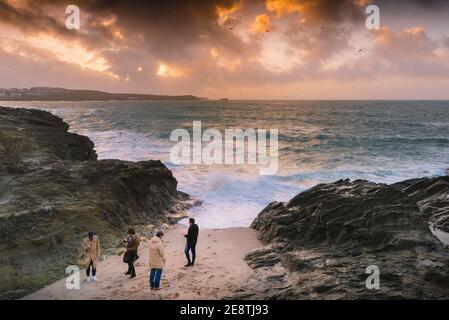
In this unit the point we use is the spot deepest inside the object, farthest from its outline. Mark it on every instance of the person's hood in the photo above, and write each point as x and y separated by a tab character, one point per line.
156	240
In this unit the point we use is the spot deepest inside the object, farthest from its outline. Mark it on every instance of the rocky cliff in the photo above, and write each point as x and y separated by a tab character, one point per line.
53	190
319	244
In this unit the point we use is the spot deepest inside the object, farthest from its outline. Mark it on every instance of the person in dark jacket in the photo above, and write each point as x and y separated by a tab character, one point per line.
132	242
192	237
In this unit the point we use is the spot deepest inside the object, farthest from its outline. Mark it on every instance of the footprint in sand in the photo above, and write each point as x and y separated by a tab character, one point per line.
173	296
180	276
214	290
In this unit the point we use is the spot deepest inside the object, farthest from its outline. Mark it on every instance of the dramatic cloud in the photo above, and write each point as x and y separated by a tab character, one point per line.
236	48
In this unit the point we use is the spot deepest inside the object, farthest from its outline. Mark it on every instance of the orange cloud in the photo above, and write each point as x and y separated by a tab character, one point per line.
409	42
224	11
261	24
284	6
317	11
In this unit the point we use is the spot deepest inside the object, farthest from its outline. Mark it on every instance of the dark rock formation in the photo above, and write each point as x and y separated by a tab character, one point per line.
432	198
320	243
53	190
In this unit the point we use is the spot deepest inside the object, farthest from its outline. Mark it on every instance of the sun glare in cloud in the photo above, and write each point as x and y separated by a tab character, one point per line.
167	71
43	46
277	56
223	62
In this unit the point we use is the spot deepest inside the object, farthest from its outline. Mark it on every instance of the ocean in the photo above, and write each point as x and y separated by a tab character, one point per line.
319	141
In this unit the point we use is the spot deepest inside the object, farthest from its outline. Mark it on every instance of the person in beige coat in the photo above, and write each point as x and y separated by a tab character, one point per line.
157	260
90	254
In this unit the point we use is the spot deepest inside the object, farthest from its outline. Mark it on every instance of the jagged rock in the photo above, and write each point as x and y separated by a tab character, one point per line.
321	242
53	190
432	197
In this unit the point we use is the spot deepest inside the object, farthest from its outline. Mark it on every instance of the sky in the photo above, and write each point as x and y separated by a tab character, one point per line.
239	49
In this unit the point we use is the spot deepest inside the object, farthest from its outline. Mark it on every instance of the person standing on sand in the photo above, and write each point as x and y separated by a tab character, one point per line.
192	237
132	244
90	254
157	260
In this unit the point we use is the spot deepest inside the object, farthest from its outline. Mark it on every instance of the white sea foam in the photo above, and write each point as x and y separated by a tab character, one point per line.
235	200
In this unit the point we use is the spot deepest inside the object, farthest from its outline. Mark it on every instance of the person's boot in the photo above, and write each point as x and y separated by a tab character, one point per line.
188	265
129	271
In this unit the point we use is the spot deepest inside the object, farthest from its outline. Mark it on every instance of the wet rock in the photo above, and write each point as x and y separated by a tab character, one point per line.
320	243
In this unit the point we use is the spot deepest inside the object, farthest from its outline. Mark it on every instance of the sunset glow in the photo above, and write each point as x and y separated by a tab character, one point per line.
230	48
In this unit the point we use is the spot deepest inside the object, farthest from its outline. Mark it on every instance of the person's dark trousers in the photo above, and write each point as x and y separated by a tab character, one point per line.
190	247
155	278
131	269
91	266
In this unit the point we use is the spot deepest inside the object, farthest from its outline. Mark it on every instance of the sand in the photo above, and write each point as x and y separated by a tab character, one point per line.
219	269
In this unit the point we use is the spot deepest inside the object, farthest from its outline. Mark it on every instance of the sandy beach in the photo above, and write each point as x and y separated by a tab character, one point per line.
219	269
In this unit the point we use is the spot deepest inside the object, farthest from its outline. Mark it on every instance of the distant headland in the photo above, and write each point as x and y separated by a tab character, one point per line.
61	94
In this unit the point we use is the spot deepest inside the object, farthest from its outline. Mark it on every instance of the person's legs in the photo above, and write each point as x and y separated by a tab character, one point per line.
193	249
88	268
152	275
157	281
133	270
93	273
186	251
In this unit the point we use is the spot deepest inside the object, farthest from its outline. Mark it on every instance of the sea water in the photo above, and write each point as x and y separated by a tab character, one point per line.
319	141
